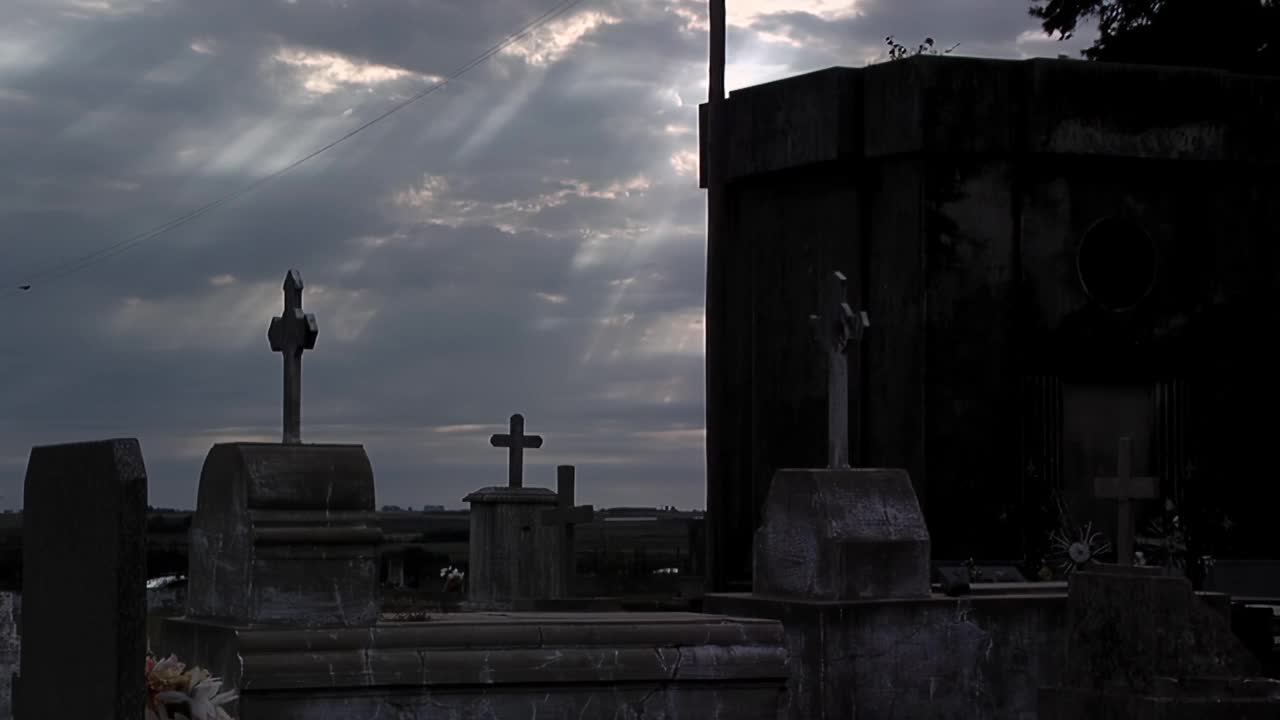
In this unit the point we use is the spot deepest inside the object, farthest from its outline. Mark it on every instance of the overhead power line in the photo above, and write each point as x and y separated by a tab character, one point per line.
109	251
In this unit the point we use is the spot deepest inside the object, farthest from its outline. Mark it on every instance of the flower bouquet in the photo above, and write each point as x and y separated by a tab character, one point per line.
453	578
170	684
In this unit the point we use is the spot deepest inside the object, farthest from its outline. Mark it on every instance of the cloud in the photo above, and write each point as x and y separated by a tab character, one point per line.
527	238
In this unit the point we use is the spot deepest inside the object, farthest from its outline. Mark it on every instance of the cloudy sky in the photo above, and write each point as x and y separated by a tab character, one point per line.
528	238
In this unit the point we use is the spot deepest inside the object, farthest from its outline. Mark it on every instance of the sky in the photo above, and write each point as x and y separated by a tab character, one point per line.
528	238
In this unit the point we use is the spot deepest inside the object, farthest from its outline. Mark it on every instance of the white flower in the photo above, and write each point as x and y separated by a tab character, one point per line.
207	702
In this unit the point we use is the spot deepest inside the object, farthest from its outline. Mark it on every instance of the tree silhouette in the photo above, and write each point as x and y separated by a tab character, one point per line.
1236	35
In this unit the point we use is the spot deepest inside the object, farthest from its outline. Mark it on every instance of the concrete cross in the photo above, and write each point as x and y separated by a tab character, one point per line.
516	441
290	334
1125	488
567	515
834	331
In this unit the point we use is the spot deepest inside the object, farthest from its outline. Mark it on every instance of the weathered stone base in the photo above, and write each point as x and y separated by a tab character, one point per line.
940	657
571	665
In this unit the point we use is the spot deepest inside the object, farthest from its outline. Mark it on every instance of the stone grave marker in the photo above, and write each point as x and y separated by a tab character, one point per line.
565	516
841	533
513	557
84	607
290	334
283	534
1124	488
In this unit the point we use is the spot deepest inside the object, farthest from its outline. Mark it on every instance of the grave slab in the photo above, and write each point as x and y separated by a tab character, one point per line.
591	666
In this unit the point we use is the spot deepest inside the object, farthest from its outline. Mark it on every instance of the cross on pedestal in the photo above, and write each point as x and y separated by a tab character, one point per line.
834	330
290	334
516	441
1125	488
567	515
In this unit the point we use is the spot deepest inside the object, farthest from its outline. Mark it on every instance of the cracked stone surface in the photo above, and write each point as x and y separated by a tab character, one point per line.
497	664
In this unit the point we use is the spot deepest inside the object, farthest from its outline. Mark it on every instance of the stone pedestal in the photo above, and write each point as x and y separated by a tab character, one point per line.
842	559
282	534
1140	644
842	535
513	555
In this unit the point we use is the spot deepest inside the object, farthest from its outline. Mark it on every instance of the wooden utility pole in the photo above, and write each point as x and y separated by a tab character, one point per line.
716	417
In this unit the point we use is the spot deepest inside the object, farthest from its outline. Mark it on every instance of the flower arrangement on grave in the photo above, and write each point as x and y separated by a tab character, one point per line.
1164	540
1072	546
194	692
1165	543
1074	549
453	578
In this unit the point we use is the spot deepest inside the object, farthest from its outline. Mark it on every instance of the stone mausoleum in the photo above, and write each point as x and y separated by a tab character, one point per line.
1053	254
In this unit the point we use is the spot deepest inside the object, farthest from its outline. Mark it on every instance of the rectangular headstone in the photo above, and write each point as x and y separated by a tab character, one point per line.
84	582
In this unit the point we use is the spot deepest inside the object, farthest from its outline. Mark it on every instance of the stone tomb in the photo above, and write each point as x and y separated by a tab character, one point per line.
287	614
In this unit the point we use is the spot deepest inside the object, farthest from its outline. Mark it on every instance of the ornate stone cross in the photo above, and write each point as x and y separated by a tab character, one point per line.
1124	488
835	329
290	334
567	515
516	441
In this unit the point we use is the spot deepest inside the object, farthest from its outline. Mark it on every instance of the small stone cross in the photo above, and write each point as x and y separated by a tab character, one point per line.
290	334
834	331
567	515
516	441
1125	488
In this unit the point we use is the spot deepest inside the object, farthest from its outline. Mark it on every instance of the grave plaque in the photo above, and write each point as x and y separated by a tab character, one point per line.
84	582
